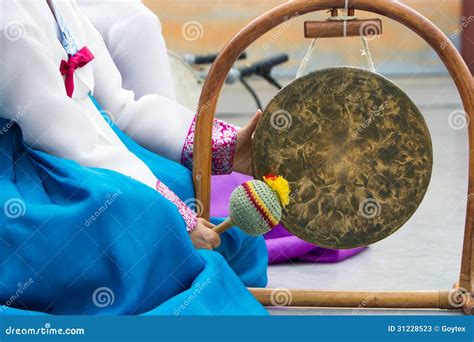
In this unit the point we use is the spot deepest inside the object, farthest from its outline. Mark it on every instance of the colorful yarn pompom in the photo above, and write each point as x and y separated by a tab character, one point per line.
280	186
255	207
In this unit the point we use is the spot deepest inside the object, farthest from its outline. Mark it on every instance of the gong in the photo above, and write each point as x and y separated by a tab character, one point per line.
355	150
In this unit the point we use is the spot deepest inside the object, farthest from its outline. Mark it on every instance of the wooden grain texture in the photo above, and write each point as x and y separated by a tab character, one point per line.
390	8
337	29
224	226
355	299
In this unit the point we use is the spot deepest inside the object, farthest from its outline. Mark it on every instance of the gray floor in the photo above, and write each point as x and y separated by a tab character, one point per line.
426	252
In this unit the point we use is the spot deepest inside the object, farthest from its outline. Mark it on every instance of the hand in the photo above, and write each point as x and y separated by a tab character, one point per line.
203	237
243	146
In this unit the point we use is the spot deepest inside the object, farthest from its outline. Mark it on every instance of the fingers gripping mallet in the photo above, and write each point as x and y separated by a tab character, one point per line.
256	206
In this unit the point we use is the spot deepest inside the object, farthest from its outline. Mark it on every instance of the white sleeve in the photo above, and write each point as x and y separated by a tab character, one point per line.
128	27
154	121
51	121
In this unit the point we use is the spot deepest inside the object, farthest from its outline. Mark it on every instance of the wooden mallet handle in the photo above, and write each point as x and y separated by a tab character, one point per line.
226	225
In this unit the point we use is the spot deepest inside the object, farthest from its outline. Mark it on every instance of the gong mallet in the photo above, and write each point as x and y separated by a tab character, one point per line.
256	206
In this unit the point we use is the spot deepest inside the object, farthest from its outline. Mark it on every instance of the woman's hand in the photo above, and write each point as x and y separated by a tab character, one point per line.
243	147
204	237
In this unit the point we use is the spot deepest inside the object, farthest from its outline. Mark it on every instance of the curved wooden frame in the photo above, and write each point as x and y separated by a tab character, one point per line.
388	8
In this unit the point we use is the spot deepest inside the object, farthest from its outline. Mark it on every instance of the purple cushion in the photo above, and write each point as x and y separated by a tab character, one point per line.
282	245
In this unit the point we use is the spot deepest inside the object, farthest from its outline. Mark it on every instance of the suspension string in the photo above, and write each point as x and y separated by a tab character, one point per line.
346	7
345	18
367	54
307	57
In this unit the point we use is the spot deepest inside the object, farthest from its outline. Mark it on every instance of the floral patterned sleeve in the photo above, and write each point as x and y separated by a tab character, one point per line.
224	137
189	216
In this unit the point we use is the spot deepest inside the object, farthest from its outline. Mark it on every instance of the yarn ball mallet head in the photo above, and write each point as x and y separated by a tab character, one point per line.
256	206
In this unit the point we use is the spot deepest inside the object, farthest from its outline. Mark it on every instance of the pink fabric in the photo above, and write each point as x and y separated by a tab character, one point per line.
224	138
189	216
281	244
78	60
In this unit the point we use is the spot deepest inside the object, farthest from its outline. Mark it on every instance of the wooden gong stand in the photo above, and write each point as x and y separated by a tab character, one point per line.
445	299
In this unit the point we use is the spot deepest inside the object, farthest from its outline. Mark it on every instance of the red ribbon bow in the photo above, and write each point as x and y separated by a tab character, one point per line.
78	60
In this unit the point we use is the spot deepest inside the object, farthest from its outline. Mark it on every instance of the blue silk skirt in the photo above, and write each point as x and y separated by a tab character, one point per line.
77	240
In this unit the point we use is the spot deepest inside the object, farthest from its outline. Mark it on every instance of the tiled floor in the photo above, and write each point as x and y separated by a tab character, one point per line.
426	252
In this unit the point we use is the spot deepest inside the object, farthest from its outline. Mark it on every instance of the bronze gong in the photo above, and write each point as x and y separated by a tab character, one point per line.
356	152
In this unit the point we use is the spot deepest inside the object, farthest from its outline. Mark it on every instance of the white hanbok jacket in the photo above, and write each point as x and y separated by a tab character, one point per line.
73	128
128	27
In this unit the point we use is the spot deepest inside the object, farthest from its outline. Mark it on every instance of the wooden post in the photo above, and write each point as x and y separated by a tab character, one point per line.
447	299
468	33
335	29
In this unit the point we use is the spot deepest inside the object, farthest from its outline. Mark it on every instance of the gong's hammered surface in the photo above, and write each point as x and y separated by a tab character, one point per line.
356	152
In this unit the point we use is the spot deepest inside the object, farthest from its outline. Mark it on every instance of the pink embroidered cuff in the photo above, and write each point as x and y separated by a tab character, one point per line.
189	216
224	137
